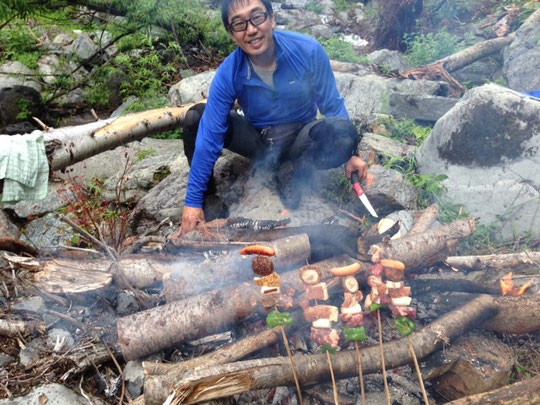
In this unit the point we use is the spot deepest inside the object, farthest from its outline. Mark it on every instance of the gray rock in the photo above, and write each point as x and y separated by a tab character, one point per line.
123	107
7	227
322	31
383	147
392	60
47	233
11	101
27	356
191	89
126	304
53	394
63	39
5	359
134	375
480	72
83	46
420	107
522	55
57	334
34	304
16	74
487	145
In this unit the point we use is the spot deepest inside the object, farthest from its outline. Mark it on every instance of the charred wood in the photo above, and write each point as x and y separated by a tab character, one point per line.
179	321
526	392
248	375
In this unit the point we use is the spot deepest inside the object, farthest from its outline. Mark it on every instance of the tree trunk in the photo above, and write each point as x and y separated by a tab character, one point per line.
69	145
526	392
429	247
235	378
190	279
176	322
396	19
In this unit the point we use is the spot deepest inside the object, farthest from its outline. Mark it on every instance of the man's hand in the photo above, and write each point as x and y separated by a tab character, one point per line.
191	217
355	164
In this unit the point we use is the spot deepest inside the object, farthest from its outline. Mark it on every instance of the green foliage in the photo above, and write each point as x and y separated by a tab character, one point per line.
426	48
19	45
176	134
449	10
405	130
338	49
144	153
24	109
338	189
342	5
314	6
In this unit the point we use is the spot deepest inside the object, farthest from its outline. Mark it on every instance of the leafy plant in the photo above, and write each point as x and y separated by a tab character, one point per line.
314	6
144	153
342	5
423	49
343	51
24	109
405	130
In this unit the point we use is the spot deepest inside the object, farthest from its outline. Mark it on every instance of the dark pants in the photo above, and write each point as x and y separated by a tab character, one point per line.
321	144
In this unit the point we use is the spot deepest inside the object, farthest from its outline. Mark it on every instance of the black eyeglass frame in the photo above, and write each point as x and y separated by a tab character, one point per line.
249	20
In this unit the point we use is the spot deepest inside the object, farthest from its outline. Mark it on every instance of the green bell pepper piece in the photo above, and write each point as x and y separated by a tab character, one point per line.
405	326
329	349
356	334
276	318
375	307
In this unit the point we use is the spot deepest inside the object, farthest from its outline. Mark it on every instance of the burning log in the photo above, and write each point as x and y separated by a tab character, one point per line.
235	378
187	280
525	392
429	247
165	326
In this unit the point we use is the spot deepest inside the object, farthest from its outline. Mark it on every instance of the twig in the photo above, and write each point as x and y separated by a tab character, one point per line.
68	318
41	124
120	372
93	112
418	372
80	249
293	366
383	366
360	373
334	386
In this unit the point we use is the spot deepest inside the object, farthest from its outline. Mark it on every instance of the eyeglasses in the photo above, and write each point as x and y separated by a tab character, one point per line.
255	20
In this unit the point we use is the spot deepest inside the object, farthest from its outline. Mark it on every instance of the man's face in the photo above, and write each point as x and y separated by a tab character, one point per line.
255	40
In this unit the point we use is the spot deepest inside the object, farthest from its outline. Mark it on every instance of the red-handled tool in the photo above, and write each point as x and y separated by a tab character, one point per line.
361	194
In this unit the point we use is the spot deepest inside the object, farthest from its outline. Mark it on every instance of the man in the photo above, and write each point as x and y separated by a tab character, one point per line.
280	79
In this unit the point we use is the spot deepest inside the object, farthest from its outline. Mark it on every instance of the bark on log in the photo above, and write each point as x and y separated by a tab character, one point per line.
173	323
187	279
510	261
69	145
424	220
525	392
429	247
235	378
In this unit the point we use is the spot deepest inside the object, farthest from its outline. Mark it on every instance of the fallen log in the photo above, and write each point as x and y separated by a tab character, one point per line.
235	378
424	220
188	279
510	261
179	321
526	392
69	145
429	247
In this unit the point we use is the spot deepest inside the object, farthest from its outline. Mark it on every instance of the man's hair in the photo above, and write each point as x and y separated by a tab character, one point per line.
226	8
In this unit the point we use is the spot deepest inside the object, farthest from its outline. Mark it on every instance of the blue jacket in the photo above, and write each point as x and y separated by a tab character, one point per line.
303	83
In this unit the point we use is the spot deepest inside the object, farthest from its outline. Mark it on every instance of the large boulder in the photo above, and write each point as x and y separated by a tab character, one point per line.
16	74
191	89
487	145
522	56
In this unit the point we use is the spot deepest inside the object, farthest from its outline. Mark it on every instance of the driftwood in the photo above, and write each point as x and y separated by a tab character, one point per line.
69	145
429	247
510	261
18	327
188	279
179	321
526	392
235	378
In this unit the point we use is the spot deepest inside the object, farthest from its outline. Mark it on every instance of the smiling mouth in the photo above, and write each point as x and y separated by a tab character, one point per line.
255	41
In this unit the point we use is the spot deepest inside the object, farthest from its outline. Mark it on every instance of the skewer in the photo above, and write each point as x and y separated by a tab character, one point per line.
334	386
293	365
386	389
418	372
360	372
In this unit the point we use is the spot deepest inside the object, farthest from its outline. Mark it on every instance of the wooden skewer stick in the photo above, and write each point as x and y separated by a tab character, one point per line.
360	373
293	366
334	386
386	389
418	372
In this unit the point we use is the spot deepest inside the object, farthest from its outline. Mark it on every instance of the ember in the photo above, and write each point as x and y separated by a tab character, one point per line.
509	288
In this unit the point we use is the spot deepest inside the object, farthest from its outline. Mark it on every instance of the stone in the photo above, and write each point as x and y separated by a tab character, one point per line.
18	99
134	376
420	107
7	227
63	39
383	147
57	334
480	72
16	74
191	89
27	356
521	57
476	362
33	304
126	304
392	60
487	145
47	234
51	394
83	46
5	359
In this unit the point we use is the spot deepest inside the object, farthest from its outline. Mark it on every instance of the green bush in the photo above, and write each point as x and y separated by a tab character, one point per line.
338	49
405	130
19	45
423	49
